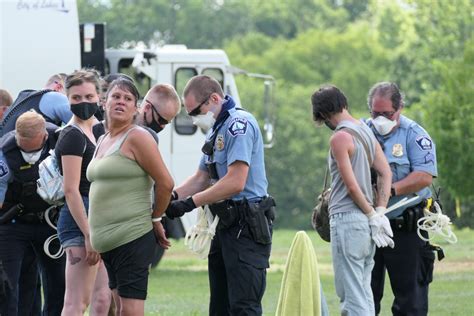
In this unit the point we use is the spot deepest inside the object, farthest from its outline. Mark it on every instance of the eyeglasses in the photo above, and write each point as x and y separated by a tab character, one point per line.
197	110
388	115
161	119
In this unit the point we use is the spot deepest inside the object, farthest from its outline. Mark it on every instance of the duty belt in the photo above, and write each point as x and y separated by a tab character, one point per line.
231	212
408	220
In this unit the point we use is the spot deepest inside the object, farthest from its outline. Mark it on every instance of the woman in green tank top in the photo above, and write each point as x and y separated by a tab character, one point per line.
123	226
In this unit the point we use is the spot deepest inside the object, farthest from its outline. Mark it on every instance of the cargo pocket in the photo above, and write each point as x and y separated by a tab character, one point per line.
425	275
253	274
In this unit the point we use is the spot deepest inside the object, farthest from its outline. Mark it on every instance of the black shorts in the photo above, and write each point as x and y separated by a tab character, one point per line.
128	266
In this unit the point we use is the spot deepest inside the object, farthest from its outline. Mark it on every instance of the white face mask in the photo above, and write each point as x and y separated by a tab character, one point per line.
33	157
383	125
204	121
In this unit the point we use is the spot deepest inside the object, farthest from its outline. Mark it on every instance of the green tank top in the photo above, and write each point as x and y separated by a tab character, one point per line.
120	199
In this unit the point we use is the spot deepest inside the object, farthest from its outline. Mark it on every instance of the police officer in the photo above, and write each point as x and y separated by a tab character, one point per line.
51	102
22	223
233	161
410	151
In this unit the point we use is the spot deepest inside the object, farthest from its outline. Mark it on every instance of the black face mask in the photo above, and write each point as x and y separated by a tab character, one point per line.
84	110
100	114
332	128
154	125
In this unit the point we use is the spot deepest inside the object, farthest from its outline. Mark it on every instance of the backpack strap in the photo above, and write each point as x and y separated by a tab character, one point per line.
361	140
326	177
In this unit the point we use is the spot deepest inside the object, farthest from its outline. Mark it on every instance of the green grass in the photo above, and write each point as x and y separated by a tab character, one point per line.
179	286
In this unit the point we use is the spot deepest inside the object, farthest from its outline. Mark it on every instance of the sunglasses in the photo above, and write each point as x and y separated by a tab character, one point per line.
197	110
161	120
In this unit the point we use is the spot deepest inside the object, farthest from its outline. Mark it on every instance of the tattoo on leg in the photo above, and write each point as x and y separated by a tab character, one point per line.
73	260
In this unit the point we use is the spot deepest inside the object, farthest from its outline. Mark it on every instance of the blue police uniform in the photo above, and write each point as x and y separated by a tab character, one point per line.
52	105
55	107
237	264
409	148
26	233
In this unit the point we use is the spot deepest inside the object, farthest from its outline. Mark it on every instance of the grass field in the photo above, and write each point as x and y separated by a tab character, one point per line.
179	286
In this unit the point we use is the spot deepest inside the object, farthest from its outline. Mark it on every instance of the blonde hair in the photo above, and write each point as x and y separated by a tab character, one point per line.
30	124
57	78
165	94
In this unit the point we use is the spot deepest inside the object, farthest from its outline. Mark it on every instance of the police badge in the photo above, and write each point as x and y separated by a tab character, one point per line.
397	150
220	142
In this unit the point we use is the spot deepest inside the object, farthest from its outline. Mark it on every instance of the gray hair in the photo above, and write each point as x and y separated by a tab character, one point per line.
386	90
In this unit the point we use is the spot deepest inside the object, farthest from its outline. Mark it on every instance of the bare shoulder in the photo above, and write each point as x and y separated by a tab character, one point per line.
341	138
140	135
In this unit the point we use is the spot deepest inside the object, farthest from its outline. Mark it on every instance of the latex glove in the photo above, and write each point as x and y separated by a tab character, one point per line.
180	207
380	228
387	236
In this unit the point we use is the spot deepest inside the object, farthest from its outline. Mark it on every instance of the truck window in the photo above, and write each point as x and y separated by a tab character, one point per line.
183	124
215	73
142	81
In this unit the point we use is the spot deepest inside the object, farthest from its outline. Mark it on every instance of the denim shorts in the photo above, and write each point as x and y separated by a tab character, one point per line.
70	235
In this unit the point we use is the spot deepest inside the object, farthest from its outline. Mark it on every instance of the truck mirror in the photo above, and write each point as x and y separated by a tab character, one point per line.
269	115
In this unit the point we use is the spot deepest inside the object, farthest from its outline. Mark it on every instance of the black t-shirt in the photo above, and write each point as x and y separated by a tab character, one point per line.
98	129
71	142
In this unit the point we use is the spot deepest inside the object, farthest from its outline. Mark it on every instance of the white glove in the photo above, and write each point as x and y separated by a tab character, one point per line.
380	228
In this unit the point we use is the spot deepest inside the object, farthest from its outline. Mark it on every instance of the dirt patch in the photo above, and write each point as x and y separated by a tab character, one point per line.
456	266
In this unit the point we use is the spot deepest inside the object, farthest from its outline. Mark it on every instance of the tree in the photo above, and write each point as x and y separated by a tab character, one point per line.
449	116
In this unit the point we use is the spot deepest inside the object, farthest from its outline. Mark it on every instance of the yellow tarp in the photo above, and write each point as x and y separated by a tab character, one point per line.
300	286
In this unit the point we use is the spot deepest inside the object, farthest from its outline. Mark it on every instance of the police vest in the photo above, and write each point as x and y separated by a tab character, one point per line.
23	188
26	100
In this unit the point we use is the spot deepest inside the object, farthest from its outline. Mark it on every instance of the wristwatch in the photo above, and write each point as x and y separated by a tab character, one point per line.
392	192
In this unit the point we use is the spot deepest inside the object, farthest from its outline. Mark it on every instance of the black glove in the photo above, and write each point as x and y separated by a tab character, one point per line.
174	196
180	207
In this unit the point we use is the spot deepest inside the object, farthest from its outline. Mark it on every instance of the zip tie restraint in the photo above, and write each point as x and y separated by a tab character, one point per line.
436	223
48	241
199	237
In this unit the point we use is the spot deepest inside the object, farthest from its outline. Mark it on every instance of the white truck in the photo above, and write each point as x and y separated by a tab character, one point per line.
39	38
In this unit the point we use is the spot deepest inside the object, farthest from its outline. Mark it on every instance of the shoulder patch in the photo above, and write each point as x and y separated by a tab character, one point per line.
424	142
429	158
3	169
238	126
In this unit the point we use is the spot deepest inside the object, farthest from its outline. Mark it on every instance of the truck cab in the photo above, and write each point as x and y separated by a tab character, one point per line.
181	142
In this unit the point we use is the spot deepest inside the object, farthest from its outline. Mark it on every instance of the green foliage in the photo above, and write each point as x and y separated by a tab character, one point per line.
442	29
448	111
304	43
352	60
